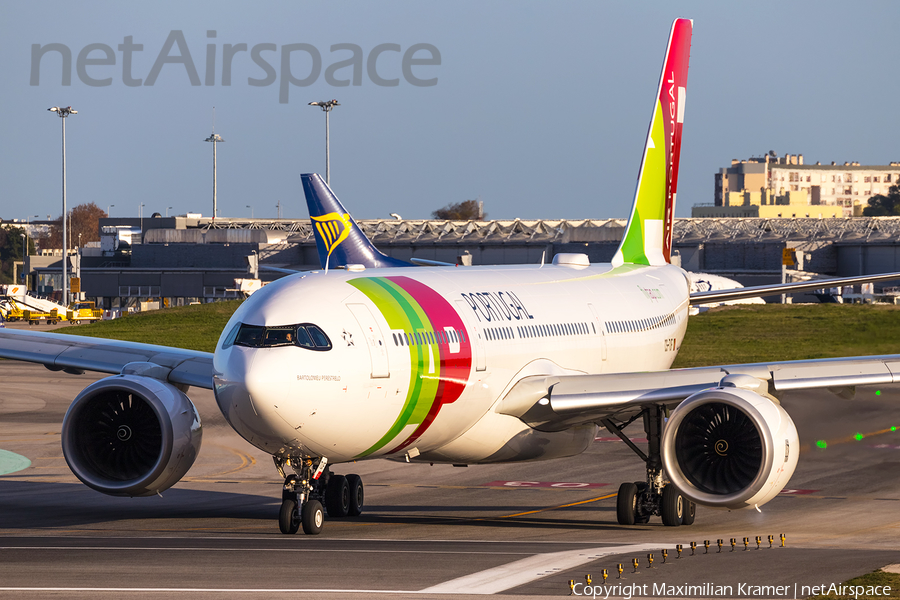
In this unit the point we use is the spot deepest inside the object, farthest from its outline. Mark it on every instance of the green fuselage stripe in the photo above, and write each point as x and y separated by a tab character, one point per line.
402	312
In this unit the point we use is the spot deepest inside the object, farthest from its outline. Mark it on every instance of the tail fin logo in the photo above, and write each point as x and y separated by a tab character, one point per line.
333	228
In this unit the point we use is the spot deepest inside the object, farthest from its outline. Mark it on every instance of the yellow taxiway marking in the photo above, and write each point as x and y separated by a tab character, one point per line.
540	510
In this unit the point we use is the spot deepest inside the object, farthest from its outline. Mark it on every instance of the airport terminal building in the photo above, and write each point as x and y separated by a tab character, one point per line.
180	260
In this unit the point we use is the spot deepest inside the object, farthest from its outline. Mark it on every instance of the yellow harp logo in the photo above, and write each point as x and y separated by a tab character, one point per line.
333	228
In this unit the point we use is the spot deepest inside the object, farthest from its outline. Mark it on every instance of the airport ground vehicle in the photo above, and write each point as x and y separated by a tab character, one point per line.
83	312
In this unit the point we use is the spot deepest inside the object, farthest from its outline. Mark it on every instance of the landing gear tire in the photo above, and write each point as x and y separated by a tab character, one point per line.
690	511
312	516
337	497
357	494
672	506
626	504
639	517
289	518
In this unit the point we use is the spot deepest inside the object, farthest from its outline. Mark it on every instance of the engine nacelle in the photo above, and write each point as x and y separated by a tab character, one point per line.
730	448
129	435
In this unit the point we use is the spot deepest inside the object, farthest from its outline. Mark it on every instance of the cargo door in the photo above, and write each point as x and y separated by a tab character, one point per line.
373	339
475	336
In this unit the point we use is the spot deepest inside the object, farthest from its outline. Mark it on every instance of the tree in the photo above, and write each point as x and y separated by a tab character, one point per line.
11	251
470	210
83	219
884	206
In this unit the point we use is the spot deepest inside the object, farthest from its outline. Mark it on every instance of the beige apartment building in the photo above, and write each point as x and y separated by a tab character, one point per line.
771	186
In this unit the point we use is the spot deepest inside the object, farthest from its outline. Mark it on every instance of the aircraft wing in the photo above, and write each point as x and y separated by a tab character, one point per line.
425	262
277	269
553	403
76	354
758	291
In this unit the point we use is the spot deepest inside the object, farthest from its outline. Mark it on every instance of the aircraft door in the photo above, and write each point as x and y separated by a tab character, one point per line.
477	341
373	340
599	325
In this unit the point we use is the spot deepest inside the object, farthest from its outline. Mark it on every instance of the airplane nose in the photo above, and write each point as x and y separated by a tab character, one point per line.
234	396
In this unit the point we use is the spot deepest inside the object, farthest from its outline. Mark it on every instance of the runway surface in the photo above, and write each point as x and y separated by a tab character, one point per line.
516	530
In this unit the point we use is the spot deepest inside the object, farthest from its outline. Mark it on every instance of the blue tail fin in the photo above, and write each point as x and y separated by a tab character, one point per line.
339	239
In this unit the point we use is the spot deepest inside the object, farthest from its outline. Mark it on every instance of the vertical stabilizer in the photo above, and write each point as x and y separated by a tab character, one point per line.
648	236
339	239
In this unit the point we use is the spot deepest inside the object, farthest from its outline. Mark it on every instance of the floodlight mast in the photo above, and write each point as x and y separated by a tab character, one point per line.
215	138
326	106
63	113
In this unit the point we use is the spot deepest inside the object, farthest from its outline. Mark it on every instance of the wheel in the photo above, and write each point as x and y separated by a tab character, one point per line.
626	503
289	518
672	506
337	497
312	516
639	517
357	494
690	511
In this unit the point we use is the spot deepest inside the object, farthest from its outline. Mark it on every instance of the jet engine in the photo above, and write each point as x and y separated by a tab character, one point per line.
130	435
730	447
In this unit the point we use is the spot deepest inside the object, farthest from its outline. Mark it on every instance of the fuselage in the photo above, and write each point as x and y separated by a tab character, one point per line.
416	360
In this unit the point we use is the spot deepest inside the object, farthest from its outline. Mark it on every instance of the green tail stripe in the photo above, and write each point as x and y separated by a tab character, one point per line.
651	194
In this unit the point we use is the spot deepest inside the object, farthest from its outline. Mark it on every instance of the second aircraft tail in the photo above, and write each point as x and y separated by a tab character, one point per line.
339	239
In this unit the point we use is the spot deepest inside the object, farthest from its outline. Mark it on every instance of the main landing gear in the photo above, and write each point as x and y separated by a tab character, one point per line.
312	489
637	502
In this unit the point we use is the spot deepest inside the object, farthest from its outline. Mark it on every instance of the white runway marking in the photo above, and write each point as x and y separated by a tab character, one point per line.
514	574
248	550
204	590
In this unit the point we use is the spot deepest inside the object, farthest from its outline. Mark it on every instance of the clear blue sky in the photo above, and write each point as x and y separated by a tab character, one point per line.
539	109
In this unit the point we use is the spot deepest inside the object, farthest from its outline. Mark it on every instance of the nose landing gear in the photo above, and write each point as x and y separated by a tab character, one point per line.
310	486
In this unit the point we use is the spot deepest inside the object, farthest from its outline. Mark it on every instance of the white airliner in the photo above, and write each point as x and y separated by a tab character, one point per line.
470	365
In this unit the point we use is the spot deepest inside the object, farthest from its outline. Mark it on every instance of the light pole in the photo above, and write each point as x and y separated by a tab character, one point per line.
63	113
327	105
215	138
24	254
251	210
168	208
107	210
141	216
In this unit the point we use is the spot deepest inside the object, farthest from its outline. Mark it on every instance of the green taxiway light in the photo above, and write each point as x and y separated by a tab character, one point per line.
894	428
878	393
822	444
858	437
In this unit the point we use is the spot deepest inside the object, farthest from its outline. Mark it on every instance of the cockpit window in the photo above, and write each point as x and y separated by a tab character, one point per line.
318	337
304	335
278	336
303	338
249	335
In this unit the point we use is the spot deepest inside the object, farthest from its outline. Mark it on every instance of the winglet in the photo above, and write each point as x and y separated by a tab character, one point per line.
339	239
648	236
